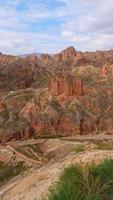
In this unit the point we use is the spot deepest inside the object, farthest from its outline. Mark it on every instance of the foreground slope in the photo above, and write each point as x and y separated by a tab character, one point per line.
34	184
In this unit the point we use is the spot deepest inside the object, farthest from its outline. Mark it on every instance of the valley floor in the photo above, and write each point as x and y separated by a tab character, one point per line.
34	183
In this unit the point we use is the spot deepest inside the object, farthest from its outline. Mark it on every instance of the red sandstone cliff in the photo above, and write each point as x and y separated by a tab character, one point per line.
66	85
68	53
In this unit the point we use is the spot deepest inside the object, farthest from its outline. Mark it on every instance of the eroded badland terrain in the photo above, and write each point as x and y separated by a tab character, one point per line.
54	110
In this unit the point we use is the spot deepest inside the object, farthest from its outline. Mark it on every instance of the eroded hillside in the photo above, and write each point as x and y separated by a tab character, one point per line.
65	94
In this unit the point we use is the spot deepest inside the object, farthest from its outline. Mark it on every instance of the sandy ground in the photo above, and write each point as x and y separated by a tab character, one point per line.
34	185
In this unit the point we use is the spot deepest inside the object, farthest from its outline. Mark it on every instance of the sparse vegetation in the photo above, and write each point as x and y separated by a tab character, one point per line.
4	114
104	145
27	151
55	104
32	151
78	182
9	170
47	136
80	148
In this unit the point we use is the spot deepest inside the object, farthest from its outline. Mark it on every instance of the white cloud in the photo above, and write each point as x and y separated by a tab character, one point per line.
86	24
92	28
91	41
75	37
11	17
16	34
17	43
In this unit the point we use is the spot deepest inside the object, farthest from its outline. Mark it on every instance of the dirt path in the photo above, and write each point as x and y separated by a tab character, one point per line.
20	155
26	142
99	137
32	186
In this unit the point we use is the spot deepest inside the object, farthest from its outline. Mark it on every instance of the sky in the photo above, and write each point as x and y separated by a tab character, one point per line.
48	26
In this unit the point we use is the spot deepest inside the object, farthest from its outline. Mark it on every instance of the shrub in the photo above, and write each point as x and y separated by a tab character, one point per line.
79	182
80	148
105	172
8	171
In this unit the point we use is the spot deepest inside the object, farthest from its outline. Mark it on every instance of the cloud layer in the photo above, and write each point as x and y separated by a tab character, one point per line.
49	26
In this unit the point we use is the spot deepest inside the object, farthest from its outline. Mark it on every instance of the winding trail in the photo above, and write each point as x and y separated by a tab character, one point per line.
22	156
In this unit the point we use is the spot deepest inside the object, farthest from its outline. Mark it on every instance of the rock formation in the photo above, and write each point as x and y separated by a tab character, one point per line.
67	85
68	53
67	93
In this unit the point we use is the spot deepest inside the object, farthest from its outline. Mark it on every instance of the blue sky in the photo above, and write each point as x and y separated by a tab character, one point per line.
28	26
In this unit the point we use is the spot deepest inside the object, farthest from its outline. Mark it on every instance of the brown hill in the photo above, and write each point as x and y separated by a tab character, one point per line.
64	94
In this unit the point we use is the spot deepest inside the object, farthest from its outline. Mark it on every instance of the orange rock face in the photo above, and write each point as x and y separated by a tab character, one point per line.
107	70
67	53
68	105
63	126
68	86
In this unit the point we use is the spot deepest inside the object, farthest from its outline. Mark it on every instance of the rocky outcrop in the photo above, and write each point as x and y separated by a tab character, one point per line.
67	85
68	53
18	73
45	58
107	70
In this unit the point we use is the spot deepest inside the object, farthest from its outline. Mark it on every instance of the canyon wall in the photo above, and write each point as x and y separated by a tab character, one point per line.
67	85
